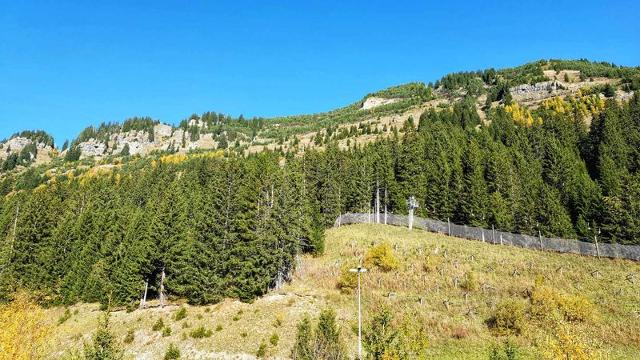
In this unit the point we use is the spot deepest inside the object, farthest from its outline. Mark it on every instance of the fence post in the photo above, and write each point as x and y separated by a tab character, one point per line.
410	219
493	234
482	235
449	227
595	237
540	238
500	239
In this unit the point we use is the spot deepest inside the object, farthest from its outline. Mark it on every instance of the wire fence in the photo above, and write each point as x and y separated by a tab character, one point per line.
631	252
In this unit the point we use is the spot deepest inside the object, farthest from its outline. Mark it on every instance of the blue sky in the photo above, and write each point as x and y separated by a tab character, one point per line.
66	65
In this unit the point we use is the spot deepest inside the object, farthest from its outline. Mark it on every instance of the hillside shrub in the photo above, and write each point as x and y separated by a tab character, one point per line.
347	280
508	351
568	342
158	325
324	343
469	282
381	256
128	339
508	318
303	346
549	304
172	352
201	332
66	316
262	350
180	314
431	263
166	331
576	308
274	339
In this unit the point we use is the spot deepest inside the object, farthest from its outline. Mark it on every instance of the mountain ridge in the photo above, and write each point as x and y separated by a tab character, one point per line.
377	113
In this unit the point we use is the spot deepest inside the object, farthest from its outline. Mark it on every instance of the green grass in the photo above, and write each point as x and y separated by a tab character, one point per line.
432	285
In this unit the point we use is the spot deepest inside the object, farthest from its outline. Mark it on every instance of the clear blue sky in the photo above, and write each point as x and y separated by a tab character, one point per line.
65	65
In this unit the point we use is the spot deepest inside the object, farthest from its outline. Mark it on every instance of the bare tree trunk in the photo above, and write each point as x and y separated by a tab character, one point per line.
385	205
15	226
143	301
162	288
377	203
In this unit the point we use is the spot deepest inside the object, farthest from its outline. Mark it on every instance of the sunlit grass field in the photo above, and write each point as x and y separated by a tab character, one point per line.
453	287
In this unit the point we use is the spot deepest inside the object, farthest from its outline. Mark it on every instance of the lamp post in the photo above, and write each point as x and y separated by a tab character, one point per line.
359	270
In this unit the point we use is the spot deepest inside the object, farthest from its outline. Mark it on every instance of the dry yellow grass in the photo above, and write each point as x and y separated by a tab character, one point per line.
449	285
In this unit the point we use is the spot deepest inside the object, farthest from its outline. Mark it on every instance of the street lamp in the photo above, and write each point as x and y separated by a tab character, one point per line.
359	270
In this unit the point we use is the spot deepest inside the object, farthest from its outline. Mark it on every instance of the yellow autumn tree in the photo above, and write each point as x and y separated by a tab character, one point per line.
583	105
23	329
557	105
521	115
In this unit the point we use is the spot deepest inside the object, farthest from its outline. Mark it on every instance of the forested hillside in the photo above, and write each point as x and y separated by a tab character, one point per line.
230	224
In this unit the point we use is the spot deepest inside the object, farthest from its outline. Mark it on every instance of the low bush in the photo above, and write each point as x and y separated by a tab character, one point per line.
158	325
431	264
381	256
576	308
262	350
131	306
66	316
469	282
274	339
172	353
508	318
166	331
128	339
508	351
549	304
201	332
347	280
180	314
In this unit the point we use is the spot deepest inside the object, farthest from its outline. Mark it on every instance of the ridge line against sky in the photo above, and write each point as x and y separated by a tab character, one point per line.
66	65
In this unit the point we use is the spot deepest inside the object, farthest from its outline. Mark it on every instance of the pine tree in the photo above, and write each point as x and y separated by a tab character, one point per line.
475	198
303	346
328	343
104	345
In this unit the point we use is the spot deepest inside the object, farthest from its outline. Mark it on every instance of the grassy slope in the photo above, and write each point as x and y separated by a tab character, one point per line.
501	272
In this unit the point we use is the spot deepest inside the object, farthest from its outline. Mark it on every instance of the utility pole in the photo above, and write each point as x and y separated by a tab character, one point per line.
359	270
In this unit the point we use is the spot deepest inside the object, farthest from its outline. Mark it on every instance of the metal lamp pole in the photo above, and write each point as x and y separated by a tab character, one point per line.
359	270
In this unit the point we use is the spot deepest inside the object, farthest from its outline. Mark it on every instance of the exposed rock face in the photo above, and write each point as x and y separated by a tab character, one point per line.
373	102
92	148
162	131
140	142
537	87
536	91
16	144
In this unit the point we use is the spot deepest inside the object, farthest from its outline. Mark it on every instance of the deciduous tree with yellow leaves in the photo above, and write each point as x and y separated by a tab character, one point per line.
24	331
